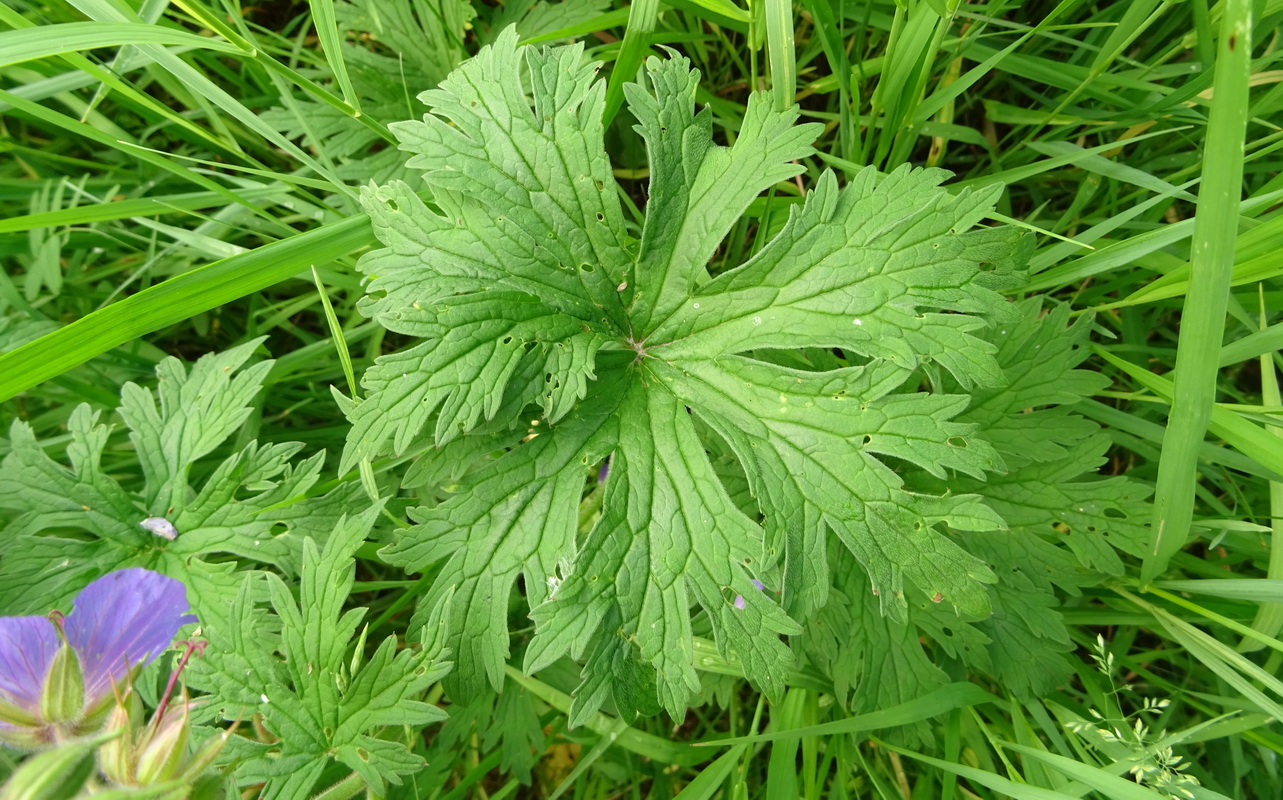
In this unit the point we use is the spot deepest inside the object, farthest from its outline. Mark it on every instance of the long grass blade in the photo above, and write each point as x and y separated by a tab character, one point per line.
175	300
1203	319
71	37
781	52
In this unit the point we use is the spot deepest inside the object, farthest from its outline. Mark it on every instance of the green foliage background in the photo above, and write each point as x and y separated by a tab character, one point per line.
185	178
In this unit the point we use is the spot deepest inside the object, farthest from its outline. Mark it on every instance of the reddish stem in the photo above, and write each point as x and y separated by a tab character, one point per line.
195	646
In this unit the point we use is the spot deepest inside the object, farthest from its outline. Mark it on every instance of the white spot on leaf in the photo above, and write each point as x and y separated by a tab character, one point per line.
161	527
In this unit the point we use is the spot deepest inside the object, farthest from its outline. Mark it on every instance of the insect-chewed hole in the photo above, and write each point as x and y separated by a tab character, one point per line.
957	441
1114	513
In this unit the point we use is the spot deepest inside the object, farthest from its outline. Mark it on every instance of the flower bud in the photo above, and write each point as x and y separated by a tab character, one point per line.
56	774
116	757
62	698
164	750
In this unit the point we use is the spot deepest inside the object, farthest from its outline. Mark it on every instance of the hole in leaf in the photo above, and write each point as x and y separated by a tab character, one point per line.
1114	513
957	441
601	217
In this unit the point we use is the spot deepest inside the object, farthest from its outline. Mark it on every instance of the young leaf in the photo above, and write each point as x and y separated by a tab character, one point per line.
310	694
527	289
168	525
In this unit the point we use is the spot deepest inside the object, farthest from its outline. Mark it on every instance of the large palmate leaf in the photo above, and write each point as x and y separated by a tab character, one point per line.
68	524
539	314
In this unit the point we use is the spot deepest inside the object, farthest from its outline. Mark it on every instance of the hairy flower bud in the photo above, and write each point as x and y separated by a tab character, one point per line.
56	774
163	751
62	697
116	756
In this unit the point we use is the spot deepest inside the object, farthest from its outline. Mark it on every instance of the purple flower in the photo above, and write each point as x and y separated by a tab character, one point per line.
121	621
740	603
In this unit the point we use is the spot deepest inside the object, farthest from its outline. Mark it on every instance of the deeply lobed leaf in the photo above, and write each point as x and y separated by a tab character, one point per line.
253	505
526	288
293	668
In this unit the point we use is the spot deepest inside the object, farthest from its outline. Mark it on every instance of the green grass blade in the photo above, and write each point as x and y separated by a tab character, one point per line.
175	300
1008	787
327	30
781	52
1256	590
136	207
1260	639
56	119
1111	786
642	17
639	742
1250	439
601	22
71	37
711	778
1233	667
1269	617
1258	343
946	698
1203	320
336	333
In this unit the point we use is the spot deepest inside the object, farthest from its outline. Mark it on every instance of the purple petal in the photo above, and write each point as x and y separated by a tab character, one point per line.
27	645
739	602
121	619
760	586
